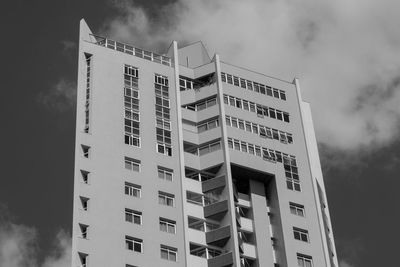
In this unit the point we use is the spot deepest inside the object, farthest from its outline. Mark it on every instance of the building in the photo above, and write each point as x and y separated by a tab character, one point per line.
186	160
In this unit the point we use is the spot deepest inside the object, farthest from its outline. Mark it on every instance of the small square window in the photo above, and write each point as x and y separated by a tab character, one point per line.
133	190
132	164
166	199
133	216
300	234
304	260
164	173
169	253
134	244
167	225
296	209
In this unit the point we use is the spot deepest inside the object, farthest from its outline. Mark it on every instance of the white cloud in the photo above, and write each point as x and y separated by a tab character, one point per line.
346	54
18	247
61	96
61	255
345	264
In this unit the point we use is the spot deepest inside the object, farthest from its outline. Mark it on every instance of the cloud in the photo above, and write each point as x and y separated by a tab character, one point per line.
344	263
60	97
346	54
18	246
68	45
61	256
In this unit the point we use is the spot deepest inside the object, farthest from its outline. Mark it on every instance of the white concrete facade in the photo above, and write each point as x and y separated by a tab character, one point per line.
237	183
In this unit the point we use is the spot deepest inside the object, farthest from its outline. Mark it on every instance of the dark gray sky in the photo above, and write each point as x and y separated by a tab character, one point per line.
39	65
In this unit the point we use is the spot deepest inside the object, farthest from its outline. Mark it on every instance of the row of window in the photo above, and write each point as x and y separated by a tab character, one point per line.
204	149
203	104
88	60
265	153
262	111
134	165
136	217
136	244
131	103
289	162
261	130
253	86
135	190
208	125
163	124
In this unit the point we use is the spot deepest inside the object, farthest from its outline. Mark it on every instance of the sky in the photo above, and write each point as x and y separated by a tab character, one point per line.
346	54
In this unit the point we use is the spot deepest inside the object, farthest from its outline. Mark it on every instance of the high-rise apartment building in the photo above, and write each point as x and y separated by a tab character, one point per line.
186	160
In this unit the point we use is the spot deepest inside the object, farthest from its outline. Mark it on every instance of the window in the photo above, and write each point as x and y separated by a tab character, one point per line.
83	259
296	209
208	125
168	226
276	93
164	173
223	77
300	234
291	173
163	124
166	199
293	184
84	230
201	225
133	216
131	71
131	103
85	176
84	203
132	164
160	79
282	95
169	253
88	59
135	244
185	83
164	149
85	151
286	117
133	190
304	260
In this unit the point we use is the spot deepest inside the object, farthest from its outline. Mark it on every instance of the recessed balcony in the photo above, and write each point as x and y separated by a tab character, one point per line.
216	210
219	236
222	260
214	183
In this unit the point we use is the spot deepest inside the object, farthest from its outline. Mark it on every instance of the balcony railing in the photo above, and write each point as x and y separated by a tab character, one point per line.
131	50
204	149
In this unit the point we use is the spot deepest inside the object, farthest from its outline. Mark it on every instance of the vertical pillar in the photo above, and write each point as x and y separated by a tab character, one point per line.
261	224
232	214
180	149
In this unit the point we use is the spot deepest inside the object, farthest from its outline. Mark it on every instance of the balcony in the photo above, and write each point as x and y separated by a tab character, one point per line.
219	237
203	92
213	184
222	260
244	200
249	251
216	210
246	224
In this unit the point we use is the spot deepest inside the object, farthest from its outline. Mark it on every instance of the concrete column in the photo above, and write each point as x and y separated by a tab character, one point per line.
261	224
